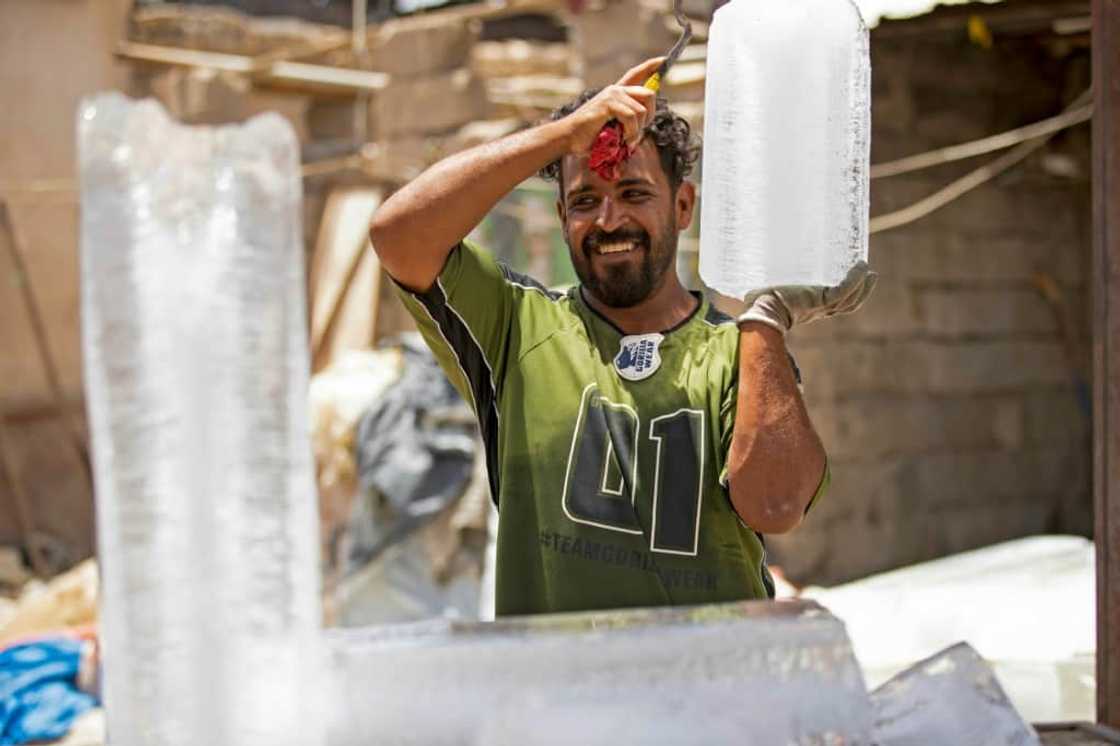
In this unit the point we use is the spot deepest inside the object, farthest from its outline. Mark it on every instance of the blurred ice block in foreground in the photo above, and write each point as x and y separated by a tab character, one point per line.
786	144
783	673
194	336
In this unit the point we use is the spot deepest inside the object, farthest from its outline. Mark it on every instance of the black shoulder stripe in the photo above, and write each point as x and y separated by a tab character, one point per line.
525	281
764	569
796	368
472	361
716	316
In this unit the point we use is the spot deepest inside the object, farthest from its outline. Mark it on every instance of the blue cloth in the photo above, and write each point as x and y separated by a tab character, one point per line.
39	695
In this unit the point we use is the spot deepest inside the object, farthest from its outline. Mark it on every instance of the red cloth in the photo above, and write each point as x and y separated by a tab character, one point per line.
609	152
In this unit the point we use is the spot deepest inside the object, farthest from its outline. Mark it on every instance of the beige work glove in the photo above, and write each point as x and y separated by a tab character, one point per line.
786	306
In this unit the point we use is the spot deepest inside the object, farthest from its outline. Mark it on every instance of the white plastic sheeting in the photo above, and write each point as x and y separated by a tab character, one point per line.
1027	606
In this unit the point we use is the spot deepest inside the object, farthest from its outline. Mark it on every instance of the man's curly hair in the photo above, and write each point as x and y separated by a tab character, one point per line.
677	147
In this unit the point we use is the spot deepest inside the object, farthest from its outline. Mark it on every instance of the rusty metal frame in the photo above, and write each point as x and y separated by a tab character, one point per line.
1106	351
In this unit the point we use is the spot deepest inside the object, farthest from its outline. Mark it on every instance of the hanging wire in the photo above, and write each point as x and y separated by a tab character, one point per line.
970	181
1072	116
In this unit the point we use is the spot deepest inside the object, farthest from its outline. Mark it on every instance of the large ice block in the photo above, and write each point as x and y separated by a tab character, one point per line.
752	672
949	698
786	144
193	333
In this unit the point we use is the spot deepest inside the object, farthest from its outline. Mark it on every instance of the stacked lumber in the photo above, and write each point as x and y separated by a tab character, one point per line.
417	89
413	91
224	30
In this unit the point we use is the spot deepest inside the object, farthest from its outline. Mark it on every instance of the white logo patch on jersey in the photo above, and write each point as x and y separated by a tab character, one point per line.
639	356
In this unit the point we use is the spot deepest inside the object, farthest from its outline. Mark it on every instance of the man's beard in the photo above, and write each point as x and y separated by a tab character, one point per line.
623	285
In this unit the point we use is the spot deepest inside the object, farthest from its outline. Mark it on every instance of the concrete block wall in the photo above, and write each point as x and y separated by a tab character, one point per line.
952	405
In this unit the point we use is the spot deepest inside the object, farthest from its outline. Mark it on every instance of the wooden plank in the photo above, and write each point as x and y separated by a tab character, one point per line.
281	73
345	277
160	55
326	79
1106	351
263	63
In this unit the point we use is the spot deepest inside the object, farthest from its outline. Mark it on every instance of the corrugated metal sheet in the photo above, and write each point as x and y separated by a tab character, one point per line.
876	10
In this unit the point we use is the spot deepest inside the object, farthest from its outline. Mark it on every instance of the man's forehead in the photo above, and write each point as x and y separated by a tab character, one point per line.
644	166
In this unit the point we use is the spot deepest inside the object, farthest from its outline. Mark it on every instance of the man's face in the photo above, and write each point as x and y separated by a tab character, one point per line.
622	235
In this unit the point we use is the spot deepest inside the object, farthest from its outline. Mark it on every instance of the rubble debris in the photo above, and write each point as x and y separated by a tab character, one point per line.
337	398
66	601
409	545
416	445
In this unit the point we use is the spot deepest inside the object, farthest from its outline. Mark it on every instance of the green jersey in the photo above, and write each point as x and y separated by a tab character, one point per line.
606	452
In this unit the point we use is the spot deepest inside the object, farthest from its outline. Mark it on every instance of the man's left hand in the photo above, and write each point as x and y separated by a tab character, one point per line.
787	306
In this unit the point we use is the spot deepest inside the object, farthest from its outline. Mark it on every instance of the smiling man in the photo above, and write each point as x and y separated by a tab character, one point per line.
639	443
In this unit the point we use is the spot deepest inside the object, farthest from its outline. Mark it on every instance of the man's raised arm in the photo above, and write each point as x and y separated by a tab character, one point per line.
418	226
777	463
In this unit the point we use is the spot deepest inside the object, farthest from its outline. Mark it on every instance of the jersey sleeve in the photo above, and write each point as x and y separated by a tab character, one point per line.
466	317
727	430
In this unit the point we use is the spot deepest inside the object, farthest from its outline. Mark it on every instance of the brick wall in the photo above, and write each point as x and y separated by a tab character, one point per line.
952	406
